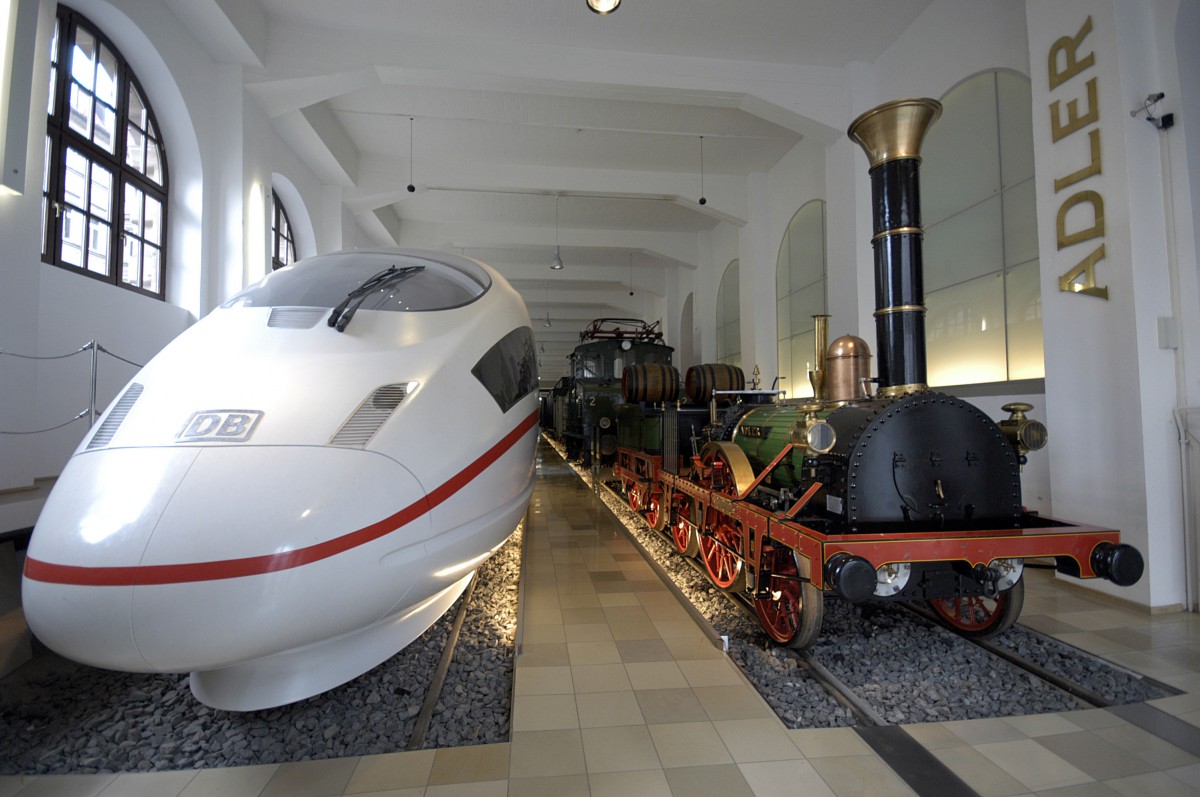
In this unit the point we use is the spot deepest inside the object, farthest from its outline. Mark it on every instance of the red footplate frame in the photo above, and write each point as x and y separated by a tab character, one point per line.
1041	537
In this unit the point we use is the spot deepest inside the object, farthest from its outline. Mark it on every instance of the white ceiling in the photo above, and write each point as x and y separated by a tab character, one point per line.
516	102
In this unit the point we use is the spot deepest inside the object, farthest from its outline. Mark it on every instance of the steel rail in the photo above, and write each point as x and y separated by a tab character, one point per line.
1054	679
439	676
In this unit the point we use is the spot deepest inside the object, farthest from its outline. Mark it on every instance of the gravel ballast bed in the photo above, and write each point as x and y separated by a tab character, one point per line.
59	717
904	667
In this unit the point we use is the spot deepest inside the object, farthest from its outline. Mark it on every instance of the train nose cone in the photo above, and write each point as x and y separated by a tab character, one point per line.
88	540
198	558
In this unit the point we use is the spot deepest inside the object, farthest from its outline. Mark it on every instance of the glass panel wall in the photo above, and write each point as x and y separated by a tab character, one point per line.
799	295
981	262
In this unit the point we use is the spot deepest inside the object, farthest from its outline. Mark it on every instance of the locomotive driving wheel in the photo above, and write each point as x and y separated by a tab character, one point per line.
717	549
656	515
634	494
980	617
792	611
724	469
681	526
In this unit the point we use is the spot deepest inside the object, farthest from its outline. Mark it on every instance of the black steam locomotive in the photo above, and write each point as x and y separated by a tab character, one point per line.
907	494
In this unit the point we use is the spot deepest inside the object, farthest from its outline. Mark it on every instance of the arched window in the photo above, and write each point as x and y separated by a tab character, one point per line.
104	188
283	240
980	251
799	295
729	317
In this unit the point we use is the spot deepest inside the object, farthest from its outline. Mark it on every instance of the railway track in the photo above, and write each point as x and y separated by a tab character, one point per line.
425	716
867	700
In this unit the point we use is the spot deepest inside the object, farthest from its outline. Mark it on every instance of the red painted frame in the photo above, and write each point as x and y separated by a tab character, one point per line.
1060	539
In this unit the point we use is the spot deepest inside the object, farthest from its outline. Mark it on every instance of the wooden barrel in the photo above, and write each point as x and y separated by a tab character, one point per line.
702	380
650	382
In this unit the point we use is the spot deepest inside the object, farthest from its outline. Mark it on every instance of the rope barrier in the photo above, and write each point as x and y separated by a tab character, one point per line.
118	357
82	414
80	350
90	412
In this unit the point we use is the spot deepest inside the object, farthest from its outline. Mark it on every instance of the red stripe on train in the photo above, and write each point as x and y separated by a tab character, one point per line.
140	575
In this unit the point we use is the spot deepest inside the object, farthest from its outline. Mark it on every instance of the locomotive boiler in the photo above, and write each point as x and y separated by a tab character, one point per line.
281	499
898	494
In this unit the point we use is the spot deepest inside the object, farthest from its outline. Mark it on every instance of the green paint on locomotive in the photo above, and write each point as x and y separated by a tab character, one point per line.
765	431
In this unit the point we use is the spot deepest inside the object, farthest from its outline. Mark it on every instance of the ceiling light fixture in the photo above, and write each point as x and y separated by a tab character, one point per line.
411	187
557	263
631	273
603	7
702	199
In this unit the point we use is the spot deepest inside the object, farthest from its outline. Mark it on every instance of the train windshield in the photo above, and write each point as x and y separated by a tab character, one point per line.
608	359
327	280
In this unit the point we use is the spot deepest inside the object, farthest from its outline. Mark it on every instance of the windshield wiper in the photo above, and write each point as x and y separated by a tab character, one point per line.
347	307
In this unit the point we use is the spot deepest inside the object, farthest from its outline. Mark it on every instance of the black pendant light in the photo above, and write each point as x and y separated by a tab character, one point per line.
703	201
557	263
411	188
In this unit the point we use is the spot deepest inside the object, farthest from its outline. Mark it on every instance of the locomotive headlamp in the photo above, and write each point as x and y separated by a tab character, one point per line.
818	435
1025	434
821	437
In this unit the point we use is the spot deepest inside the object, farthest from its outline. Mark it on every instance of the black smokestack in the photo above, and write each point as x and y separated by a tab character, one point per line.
891	135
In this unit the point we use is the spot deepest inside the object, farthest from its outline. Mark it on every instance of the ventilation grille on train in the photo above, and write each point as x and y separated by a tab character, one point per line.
295	317
375	409
112	423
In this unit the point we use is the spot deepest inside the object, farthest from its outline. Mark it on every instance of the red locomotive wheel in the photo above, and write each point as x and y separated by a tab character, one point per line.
978	617
635	497
681	527
656	516
792	613
725	470
717	550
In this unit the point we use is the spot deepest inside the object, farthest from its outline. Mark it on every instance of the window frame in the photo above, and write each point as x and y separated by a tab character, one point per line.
1009	353
730	284
279	214
799	331
61	138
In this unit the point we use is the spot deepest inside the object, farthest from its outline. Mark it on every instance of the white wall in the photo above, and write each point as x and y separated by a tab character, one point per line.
216	143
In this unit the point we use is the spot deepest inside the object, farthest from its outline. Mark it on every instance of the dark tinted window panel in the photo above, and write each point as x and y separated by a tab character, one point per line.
509	369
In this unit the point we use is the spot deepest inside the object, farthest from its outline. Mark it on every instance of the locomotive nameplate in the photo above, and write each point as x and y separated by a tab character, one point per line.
756	432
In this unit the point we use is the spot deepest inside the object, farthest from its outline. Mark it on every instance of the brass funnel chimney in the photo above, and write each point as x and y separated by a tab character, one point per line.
891	136
816	377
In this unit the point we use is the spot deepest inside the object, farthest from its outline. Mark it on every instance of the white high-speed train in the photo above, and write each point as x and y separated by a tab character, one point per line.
297	486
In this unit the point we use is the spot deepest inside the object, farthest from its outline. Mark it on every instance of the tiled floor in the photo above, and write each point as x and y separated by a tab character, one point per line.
619	693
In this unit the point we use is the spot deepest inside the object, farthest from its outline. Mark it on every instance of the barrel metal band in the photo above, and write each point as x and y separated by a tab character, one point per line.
899	231
901	308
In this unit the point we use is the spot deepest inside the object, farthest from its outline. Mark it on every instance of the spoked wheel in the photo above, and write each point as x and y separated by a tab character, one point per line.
717	550
656	514
792	612
724	469
681	527
977	617
634	493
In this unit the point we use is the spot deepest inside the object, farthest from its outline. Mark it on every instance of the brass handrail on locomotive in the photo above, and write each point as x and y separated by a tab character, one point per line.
906	494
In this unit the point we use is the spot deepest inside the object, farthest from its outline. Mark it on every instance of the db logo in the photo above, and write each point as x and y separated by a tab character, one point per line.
220	426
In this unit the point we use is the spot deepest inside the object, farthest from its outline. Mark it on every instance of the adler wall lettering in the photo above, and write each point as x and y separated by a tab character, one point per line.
1075	132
